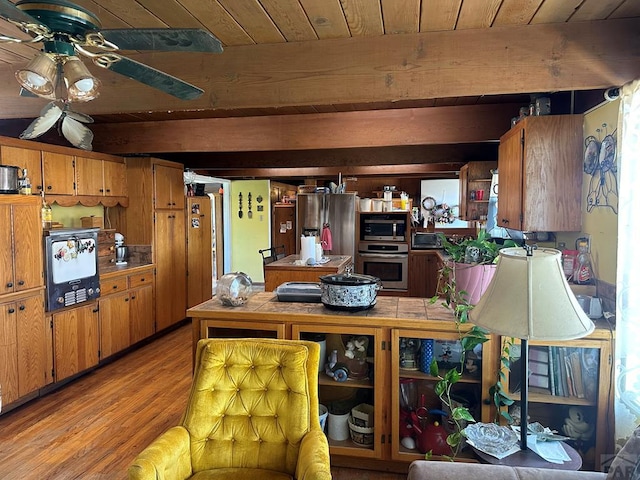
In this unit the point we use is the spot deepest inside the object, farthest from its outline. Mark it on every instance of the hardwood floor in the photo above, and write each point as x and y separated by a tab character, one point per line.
92	428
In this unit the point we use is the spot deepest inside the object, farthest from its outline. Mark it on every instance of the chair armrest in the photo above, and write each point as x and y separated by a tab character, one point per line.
168	457
313	458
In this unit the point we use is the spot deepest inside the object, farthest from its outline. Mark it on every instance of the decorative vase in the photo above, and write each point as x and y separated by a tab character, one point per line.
473	279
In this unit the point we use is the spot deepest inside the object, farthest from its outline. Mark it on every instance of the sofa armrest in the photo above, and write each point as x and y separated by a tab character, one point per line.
313	458
168	456
428	470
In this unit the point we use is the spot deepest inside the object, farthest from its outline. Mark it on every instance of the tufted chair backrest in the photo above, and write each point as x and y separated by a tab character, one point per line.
251	402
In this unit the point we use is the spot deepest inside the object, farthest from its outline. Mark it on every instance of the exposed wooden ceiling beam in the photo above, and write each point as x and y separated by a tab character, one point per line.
424	170
499	60
376	128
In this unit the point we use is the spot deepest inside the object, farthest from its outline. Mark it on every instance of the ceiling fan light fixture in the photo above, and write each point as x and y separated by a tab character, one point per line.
81	85
40	75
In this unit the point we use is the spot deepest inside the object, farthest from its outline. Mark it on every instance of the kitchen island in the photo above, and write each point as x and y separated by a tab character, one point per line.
286	270
383	327
394	330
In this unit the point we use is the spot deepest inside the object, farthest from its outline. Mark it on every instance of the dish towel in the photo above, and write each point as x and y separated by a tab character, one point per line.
325	239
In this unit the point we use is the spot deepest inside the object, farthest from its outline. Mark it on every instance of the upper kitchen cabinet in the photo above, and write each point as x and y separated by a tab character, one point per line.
58	172
169	187
475	177
540	168
102	178
24	158
20	243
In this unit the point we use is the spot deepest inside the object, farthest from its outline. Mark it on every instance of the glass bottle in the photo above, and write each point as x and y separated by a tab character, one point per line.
46	213
25	183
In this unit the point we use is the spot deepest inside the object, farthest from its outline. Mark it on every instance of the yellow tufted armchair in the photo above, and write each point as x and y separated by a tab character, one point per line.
252	414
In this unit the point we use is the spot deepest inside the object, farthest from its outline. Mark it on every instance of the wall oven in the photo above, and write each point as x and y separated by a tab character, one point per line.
387	261
71	262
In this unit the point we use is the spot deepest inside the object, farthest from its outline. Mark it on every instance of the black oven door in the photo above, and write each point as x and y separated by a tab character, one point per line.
391	269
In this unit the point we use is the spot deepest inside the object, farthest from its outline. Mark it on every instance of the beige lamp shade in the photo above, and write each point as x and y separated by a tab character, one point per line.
530	298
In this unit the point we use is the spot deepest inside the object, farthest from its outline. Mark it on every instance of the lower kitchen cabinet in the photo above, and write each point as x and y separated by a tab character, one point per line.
570	391
412	386
359	389
23	347
76	341
424	268
126	310
393	381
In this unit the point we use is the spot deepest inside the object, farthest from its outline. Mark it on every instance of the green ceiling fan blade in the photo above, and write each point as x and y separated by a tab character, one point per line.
155	78
10	12
164	39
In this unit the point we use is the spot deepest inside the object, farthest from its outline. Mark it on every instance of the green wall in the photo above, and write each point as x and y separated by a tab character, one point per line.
248	235
70	216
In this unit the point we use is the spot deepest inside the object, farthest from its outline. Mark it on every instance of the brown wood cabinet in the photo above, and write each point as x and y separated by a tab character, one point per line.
390	327
475	176
76	340
58	173
591	374
540	168
24	158
168	187
159	222
424	267
126	309
21	264
23	346
100	177
199	250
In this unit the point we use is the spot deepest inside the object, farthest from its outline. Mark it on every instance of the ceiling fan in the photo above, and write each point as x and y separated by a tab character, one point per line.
68	31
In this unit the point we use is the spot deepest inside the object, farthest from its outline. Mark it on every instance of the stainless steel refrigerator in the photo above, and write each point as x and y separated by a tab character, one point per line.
338	210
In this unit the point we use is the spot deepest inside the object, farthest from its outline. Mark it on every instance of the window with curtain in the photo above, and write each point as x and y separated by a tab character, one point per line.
627	353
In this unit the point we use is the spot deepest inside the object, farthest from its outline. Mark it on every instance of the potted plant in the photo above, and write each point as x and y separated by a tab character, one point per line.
475	258
471	264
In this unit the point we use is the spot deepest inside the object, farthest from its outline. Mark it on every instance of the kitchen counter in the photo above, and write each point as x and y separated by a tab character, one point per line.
116	270
285	270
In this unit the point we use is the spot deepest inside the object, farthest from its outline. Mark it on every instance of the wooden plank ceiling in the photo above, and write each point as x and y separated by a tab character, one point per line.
286	57
245	23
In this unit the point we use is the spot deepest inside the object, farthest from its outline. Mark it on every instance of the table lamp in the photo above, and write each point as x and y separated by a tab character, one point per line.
529	298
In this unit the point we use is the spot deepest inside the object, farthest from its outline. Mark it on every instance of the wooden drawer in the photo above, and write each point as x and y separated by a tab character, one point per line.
113	285
140	279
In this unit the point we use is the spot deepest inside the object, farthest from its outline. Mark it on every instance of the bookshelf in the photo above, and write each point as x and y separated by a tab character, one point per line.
571	391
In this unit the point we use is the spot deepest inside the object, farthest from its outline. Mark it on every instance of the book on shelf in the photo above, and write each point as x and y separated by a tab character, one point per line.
563	371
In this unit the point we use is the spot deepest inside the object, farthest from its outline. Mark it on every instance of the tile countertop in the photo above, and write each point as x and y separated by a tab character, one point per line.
114	270
395	312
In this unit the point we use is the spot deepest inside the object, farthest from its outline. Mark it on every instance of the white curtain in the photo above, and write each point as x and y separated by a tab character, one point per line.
627	353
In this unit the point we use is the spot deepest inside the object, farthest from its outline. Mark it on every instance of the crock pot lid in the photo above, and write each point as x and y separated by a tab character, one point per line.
353	279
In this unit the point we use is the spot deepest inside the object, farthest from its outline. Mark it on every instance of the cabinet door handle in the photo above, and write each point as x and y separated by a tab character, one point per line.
49	187
108	190
115	287
20	282
142	280
126	299
133	297
21	308
10	284
12	310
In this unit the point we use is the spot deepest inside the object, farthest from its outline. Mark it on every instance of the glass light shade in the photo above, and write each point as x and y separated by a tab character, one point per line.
530	298
39	76
81	85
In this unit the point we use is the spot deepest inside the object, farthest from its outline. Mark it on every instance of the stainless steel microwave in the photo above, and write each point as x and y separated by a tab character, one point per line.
383	227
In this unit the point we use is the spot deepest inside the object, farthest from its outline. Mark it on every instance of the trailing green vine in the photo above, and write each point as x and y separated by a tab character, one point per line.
485	251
